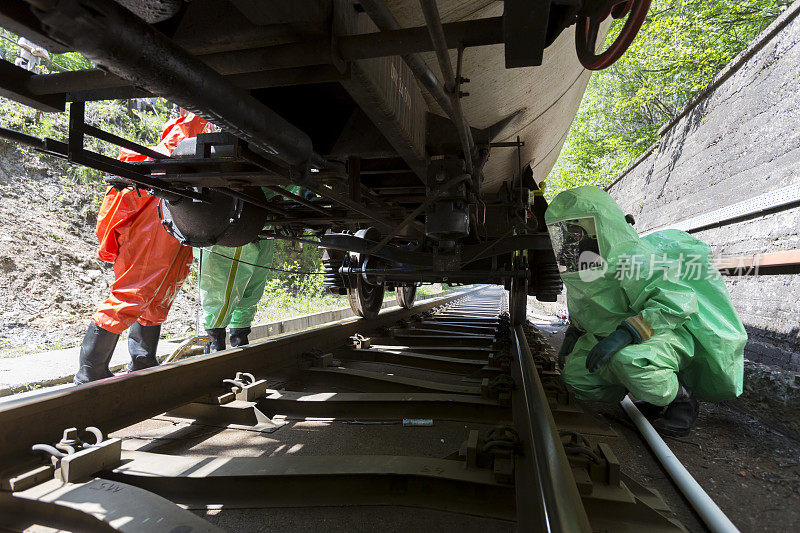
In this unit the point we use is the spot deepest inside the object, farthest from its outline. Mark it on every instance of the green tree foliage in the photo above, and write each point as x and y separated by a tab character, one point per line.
682	45
117	117
298	257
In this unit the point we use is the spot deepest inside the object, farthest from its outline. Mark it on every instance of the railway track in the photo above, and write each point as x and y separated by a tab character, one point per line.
443	417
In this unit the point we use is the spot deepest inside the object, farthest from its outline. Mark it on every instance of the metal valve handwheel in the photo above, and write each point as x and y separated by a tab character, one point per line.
588	26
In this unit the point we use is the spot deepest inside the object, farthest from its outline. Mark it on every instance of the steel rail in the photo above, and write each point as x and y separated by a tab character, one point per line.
557	498
120	401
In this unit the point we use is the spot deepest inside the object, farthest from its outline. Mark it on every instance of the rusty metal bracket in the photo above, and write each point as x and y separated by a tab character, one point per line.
494	451
610	497
246	387
75	460
360	342
320	359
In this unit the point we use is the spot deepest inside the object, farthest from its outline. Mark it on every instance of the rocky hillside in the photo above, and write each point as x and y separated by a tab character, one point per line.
51	279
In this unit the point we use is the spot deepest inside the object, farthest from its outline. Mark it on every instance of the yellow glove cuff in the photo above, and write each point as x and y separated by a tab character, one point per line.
642	326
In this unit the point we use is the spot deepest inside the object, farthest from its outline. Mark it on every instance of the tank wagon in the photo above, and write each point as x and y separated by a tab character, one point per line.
418	131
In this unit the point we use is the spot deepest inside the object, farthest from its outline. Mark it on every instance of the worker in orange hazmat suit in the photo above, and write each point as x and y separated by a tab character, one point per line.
149	268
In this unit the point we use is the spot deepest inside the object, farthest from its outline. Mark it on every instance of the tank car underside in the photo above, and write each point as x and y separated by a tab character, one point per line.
418	131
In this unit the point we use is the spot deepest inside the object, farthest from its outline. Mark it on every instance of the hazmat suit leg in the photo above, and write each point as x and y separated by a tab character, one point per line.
244	313
589	386
229	286
649	370
149	266
149	269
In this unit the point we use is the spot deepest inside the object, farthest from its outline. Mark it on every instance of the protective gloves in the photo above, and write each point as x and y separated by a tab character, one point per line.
604	350
571	336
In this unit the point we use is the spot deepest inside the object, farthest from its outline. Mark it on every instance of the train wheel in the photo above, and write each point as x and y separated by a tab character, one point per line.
405	296
366	299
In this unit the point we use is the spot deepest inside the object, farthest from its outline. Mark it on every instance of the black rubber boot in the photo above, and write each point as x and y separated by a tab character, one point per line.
217	343
648	410
679	415
239	337
142	344
96	351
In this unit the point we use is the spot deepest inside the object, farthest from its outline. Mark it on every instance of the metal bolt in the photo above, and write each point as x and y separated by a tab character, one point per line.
70	436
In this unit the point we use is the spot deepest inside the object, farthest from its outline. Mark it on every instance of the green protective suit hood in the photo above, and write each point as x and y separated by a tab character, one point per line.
668	287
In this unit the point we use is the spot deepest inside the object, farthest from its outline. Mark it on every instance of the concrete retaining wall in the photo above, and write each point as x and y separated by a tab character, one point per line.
739	139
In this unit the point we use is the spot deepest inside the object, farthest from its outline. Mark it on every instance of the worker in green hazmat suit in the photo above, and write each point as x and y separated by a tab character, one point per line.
232	282
650	315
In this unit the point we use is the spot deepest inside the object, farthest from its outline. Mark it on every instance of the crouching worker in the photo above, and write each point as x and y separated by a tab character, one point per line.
650	315
149	268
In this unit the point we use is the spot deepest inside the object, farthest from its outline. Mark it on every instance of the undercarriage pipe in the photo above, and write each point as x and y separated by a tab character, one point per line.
434	23
111	36
383	18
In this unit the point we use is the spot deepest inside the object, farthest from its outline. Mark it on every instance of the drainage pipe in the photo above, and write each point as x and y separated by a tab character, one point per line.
710	513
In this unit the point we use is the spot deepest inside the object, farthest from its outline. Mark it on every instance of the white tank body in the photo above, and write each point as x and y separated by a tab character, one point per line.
549	94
